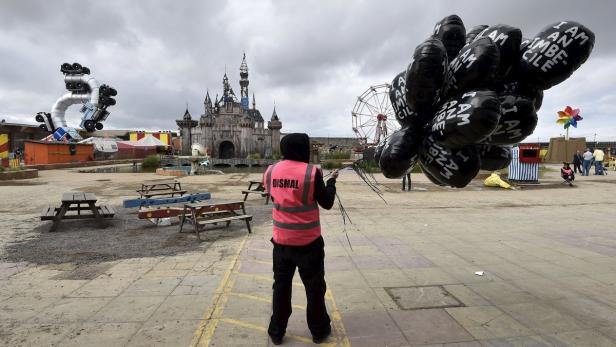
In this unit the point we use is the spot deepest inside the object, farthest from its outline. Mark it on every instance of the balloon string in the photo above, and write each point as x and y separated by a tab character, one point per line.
345	216
367	177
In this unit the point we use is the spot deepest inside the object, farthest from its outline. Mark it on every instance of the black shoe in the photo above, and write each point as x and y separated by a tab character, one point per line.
320	338
277	340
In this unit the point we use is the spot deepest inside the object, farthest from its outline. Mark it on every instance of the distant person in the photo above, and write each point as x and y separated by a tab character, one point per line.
19	155
587	157
577	162
406	181
567	174
297	189
599	155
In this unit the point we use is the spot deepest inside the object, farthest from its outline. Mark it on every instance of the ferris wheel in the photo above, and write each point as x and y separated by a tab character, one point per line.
373	116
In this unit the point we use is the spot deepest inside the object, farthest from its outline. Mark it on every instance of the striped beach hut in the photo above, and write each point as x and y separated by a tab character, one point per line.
4	150
521	170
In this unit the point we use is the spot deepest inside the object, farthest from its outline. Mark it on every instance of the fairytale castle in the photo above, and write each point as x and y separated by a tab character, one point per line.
230	127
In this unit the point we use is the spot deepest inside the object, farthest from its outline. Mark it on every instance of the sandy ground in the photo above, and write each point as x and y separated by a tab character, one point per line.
547	252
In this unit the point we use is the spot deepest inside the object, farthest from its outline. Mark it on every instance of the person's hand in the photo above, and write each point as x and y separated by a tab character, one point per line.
335	174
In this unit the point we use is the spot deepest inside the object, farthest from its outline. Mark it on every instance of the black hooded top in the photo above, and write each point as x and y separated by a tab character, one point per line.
296	146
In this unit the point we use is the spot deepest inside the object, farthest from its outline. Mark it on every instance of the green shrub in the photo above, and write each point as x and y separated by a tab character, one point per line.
2	169
369	165
330	165
152	161
254	156
337	155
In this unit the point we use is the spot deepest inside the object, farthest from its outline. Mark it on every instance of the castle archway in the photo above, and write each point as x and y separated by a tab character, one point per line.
226	150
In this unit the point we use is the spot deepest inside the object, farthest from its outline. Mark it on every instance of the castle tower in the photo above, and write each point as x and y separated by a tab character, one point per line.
244	83
226	90
186	124
207	103
275	125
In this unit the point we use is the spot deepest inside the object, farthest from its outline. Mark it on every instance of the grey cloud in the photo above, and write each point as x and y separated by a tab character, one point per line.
313	58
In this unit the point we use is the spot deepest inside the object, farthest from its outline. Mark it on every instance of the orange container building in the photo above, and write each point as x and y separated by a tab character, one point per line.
39	152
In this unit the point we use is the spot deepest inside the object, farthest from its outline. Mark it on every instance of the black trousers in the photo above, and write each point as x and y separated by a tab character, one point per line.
577	167
309	260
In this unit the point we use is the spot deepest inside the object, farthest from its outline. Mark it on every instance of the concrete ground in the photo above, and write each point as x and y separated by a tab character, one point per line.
547	253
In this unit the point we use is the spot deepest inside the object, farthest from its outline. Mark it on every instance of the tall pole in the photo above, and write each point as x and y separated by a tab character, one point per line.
567	145
567	134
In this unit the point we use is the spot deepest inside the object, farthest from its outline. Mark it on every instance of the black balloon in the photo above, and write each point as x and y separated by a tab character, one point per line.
450	30
533	93
399	153
555	53
453	167
467	119
524	44
425	76
508	40
518	120
430	177
470	36
397	95
474	68
494	157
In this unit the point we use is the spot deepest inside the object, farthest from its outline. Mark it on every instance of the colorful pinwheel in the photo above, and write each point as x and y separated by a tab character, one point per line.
569	117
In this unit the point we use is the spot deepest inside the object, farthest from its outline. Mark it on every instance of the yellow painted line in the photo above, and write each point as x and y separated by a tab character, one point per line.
264	329
205	330
263	299
337	321
264	278
336	317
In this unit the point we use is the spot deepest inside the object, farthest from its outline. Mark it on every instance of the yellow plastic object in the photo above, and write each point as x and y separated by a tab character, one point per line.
494	180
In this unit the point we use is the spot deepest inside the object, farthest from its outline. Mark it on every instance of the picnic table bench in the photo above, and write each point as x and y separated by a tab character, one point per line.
160	188
259	189
79	202
201	214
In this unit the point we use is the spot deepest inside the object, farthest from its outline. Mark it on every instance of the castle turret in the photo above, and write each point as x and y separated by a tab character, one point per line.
275	125
244	83
186	124
206	117
226	90
207	103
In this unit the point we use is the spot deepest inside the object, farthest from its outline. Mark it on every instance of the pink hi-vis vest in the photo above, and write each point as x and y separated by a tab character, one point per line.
295	214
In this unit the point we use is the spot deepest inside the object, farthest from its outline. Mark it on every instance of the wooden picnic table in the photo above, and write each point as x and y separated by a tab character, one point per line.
204	213
79	202
259	189
259	185
160	188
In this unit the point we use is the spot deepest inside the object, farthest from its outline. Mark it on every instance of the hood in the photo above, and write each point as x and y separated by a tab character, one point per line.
296	147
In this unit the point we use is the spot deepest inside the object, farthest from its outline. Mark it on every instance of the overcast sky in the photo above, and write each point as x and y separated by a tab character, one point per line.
312	57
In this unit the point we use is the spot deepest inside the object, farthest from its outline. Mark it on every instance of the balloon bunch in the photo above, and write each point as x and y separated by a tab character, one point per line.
465	97
569	117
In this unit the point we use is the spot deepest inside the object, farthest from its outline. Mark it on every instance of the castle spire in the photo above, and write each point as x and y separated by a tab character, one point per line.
244	82
207	101
187	115
274	114
225	88
254	102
